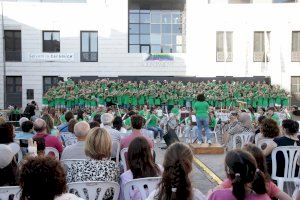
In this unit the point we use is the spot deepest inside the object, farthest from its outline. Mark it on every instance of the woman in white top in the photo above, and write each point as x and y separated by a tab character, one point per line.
175	183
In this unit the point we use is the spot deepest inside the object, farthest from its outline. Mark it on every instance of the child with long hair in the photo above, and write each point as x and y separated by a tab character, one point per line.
175	183
272	190
247	180
141	165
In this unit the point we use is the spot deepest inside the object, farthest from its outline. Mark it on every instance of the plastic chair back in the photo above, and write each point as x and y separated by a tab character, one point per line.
244	137
89	189
291	155
52	150
263	143
6	193
143	185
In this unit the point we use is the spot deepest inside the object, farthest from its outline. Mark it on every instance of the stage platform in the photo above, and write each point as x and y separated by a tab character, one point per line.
207	149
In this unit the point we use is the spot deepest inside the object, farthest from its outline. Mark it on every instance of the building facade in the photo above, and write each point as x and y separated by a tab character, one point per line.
45	41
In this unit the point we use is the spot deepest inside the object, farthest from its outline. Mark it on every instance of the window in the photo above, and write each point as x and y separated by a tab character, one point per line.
296	46
49	81
51	41
295	90
155	31
224	46
284	1
89	46
261	47
239	1
13	45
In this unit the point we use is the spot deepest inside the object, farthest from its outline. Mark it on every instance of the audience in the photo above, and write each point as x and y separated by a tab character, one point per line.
290	129
6	133
115	135
76	151
273	191
21	120
97	118
68	138
64	126
94	124
268	130
176	183
98	167
141	165
259	121
118	124
50	125
27	131
137	123
241	170
44	178
8	164
41	132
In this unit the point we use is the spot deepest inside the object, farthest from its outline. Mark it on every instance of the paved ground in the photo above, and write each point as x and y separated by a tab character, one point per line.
200	179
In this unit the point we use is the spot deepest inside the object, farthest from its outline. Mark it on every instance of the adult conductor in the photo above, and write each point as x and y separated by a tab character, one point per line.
200	109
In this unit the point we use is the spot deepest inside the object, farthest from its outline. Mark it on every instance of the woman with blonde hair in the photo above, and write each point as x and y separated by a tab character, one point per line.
98	167
50	125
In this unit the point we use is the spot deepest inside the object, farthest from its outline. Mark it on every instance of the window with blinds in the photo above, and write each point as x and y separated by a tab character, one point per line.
224	46
261	47
296	46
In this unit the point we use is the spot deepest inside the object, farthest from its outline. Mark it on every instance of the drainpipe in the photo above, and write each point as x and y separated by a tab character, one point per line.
4	64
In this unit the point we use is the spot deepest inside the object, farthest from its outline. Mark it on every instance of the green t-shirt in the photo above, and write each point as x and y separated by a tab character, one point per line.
175	111
153	120
201	109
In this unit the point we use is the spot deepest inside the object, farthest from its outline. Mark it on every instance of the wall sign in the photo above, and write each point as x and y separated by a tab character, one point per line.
51	57
160	57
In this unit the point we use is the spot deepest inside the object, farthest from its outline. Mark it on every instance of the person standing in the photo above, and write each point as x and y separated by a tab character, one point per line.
201	108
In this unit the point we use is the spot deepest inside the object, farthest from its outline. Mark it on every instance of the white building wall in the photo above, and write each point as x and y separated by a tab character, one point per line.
110	19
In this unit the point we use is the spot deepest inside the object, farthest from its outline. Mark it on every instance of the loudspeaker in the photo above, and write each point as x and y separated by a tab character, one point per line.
170	137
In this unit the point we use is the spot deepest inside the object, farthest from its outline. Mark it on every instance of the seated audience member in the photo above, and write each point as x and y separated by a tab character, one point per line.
94	124
98	147
271	114
41	146
273	191
152	124
44	178
238	123
261	111
41	132
68	138
50	125
64	127
137	122
268	130
27	131
241	170
6	133
97	118
107	120
259	120
76	151
289	138
21	120
176	183
118	125
8	164
141	165
115	135
55	116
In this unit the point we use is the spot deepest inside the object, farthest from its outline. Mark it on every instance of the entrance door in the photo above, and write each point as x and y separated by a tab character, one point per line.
295	90
14	91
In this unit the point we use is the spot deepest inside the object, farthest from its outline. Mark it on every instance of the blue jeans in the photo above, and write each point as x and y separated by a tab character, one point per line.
200	123
156	130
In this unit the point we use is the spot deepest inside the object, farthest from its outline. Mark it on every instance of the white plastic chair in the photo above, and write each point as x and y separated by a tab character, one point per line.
123	159
20	156
116	150
5	192
92	186
297	188
263	142
244	137
151	184
291	155
52	150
